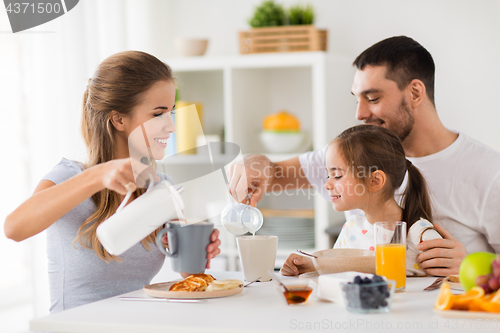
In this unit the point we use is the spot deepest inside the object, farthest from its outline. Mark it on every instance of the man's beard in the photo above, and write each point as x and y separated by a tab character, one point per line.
404	125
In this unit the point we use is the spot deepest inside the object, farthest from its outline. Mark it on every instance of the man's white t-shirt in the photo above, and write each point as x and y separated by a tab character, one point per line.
464	184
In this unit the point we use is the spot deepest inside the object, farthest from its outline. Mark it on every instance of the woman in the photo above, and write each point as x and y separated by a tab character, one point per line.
129	91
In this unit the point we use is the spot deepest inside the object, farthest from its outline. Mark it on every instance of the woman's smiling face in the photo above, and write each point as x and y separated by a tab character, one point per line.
152	119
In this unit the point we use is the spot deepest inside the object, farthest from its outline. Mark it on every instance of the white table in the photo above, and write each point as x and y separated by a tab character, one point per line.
260	308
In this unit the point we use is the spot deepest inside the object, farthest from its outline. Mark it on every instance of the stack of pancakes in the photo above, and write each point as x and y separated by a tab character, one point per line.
205	282
224	284
194	282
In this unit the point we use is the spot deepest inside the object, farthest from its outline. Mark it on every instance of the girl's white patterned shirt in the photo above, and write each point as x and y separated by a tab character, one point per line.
358	233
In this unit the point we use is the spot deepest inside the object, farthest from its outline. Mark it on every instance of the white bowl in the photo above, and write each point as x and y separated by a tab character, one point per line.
344	260
187	47
281	142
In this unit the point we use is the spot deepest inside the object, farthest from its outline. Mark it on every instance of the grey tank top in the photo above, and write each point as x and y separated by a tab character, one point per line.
77	275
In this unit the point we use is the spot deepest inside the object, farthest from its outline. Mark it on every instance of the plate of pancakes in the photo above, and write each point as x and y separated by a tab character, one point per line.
195	286
454	282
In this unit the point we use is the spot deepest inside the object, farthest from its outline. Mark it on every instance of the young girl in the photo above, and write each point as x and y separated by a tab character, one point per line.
366	164
127	91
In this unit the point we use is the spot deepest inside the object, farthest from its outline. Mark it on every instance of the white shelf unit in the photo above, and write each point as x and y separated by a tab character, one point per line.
237	92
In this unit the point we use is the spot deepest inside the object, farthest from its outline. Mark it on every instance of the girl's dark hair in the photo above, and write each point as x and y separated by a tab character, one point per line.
367	148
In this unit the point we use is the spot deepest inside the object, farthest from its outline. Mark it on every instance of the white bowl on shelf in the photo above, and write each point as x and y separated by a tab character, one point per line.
187	47
281	142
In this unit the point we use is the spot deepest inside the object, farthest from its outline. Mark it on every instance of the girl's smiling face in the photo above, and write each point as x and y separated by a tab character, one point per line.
346	191
152	119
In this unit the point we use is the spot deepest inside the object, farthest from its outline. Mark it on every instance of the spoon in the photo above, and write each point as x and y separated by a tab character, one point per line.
291	297
436	284
248	205
249	283
307	254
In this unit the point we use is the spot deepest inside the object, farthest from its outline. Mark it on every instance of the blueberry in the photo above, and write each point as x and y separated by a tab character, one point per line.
362	294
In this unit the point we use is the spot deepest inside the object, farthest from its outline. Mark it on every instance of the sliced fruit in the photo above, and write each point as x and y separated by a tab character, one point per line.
496	297
445	298
494	304
492	307
478	303
463	301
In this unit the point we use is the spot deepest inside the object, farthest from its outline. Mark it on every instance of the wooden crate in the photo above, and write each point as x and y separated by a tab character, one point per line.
291	38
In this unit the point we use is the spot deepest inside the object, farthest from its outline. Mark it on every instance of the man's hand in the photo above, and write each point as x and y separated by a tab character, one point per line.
441	257
296	264
251	176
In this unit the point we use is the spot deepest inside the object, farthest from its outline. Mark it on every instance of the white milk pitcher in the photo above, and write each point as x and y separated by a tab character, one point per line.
133	222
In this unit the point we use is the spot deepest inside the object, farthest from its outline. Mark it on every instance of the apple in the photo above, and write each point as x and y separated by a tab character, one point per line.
474	265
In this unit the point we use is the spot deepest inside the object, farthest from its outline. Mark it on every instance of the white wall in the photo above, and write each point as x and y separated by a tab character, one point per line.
461	35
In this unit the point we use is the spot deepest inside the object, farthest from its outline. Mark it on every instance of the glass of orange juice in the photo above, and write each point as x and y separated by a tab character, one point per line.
390	251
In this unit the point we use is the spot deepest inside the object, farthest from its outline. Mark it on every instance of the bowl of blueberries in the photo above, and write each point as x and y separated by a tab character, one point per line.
365	295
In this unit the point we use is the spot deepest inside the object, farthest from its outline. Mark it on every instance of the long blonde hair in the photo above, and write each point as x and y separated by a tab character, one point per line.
119	84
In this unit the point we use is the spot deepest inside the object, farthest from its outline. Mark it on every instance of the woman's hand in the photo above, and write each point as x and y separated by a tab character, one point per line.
296	264
117	175
213	248
50	202
124	175
164	241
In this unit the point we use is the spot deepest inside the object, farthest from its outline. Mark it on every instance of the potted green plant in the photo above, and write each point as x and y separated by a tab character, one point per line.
268	14
298	15
278	30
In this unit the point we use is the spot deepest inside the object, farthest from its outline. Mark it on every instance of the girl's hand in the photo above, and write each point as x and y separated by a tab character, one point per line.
213	248
297	264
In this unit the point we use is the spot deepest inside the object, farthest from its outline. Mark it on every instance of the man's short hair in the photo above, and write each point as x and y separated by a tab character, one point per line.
405	59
